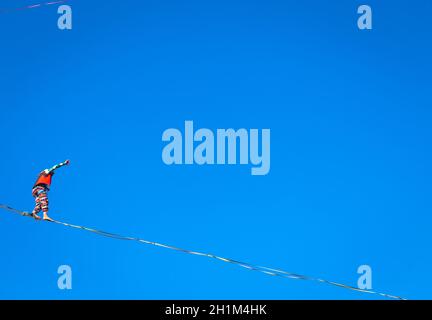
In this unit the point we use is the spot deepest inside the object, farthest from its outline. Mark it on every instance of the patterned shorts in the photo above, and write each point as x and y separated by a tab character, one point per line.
41	199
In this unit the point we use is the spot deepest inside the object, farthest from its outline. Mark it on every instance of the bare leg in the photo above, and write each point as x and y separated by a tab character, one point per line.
36	210
44	207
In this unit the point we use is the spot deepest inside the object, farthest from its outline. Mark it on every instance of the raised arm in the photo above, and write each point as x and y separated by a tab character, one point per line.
65	163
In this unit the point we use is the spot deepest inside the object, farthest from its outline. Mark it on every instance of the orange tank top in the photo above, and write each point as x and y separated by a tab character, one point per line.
44	179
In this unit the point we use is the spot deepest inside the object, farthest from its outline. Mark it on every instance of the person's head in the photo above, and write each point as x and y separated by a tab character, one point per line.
46	172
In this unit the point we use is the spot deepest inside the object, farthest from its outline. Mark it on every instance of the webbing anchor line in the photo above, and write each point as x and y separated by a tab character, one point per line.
265	270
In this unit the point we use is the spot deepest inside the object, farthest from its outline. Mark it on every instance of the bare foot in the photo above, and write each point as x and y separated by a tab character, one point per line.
46	218
35	216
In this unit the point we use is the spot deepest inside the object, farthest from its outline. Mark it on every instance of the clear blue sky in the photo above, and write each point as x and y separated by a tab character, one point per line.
350	114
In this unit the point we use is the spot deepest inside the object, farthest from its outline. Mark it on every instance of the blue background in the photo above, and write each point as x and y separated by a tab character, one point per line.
350	115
